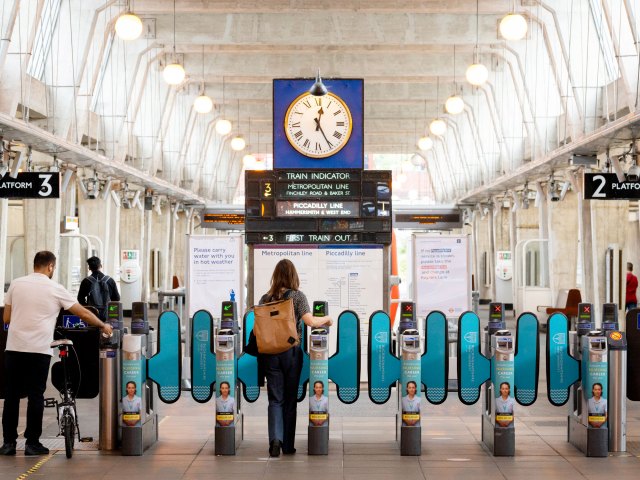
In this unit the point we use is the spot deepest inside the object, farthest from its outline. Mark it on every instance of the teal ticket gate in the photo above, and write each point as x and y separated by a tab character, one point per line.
148	368
506	375
415	370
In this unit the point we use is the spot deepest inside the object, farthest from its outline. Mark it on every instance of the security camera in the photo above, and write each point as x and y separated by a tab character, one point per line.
93	188
633	174
553	193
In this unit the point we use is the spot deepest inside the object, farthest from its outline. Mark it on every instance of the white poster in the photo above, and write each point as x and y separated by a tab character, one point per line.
442	280
215	269
348	277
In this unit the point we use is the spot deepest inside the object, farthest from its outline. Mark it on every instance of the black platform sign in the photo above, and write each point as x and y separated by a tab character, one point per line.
605	186
31	185
222	220
318	206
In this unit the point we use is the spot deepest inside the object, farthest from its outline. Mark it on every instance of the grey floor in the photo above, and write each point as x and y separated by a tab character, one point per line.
362	446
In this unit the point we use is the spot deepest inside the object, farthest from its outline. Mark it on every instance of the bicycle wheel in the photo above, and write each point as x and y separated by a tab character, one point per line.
69	433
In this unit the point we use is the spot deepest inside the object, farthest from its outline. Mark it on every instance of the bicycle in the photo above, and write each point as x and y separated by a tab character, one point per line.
66	408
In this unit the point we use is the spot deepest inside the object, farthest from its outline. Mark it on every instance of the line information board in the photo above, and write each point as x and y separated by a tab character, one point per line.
441	276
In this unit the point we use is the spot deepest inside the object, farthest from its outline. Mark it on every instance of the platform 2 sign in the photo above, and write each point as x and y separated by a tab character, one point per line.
605	186
31	185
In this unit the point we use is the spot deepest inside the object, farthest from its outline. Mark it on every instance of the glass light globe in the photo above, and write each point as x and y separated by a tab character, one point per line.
203	104
454	105
223	127
438	127
249	162
128	26
425	143
513	26
260	165
477	74
173	74
238	143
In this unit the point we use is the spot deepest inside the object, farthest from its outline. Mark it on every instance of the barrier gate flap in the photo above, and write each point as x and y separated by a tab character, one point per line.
165	367
248	364
383	365
304	373
203	360
435	359
562	369
344	365
474	369
526	359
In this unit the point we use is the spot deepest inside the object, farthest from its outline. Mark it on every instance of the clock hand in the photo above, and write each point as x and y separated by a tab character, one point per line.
320	112
318	127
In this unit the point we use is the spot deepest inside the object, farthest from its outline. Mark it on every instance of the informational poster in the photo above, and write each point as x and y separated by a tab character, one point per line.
133	376
441	275
225	380
214	272
347	277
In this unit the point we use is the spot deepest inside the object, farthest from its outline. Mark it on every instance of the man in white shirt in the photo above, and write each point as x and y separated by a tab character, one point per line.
31	307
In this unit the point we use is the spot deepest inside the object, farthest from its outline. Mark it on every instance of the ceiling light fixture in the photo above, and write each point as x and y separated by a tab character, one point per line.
477	74
174	73
128	25
318	89
513	26
223	126
203	103
238	143
454	104
425	143
437	126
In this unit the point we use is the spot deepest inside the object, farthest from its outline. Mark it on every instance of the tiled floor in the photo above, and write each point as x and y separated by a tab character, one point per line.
362	446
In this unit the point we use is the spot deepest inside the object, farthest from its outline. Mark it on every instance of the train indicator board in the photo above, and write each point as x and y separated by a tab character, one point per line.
306	208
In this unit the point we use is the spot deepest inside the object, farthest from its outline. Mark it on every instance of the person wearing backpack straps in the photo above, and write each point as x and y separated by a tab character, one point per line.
283	369
98	289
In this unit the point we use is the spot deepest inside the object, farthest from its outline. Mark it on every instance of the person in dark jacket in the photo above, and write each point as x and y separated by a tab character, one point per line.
283	369
84	294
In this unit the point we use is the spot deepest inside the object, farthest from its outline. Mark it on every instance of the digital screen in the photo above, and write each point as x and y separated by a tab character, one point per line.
227	309
318	341
407	310
495	313
585	311
319	309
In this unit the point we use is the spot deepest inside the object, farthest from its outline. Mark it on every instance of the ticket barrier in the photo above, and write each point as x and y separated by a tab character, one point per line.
110	366
585	370
416	370
151	370
343	368
505	375
217	367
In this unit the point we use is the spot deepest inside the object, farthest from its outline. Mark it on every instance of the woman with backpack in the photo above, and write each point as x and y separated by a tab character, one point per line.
282	370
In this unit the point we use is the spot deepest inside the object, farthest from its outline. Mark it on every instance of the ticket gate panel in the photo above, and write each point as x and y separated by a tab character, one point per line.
304	372
248	364
344	365
382	365
526	359
473	367
562	368
165	368
435	359
203	360
633	354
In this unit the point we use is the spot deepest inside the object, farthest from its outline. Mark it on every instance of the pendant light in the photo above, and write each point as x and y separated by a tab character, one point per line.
238	143
203	103
174	73
318	89
425	143
249	161
437	126
128	25
454	104
223	126
513	26
477	74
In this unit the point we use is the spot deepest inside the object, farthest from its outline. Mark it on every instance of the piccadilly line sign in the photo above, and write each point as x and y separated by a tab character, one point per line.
31	185
605	186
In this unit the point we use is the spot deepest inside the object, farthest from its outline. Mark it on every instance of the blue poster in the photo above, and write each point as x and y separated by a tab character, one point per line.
410	392
595	392
133	376
503	379
318	388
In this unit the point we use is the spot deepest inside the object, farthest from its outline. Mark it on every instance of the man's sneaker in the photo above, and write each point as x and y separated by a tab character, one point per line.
9	448
36	449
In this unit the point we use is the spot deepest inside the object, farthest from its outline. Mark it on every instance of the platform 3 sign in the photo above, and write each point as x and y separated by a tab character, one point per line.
605	186
31	185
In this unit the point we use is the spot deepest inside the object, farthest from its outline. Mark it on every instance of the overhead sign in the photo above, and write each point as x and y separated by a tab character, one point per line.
428	219
306	208
605	186
31	185
222	220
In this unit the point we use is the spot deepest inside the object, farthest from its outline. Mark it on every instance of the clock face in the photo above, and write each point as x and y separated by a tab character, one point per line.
318	127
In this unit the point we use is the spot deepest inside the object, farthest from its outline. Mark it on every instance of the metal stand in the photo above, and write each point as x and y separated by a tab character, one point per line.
500	441
228	439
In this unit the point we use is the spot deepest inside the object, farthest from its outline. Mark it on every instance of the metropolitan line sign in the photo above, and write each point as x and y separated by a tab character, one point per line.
605	186
31	185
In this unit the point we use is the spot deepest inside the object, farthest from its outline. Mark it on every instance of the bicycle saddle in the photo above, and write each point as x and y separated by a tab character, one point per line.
63	341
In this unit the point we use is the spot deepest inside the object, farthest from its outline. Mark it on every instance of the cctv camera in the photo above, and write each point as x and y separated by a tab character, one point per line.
553	193
633	175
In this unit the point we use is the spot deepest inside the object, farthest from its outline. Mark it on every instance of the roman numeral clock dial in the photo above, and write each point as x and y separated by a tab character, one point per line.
318	127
